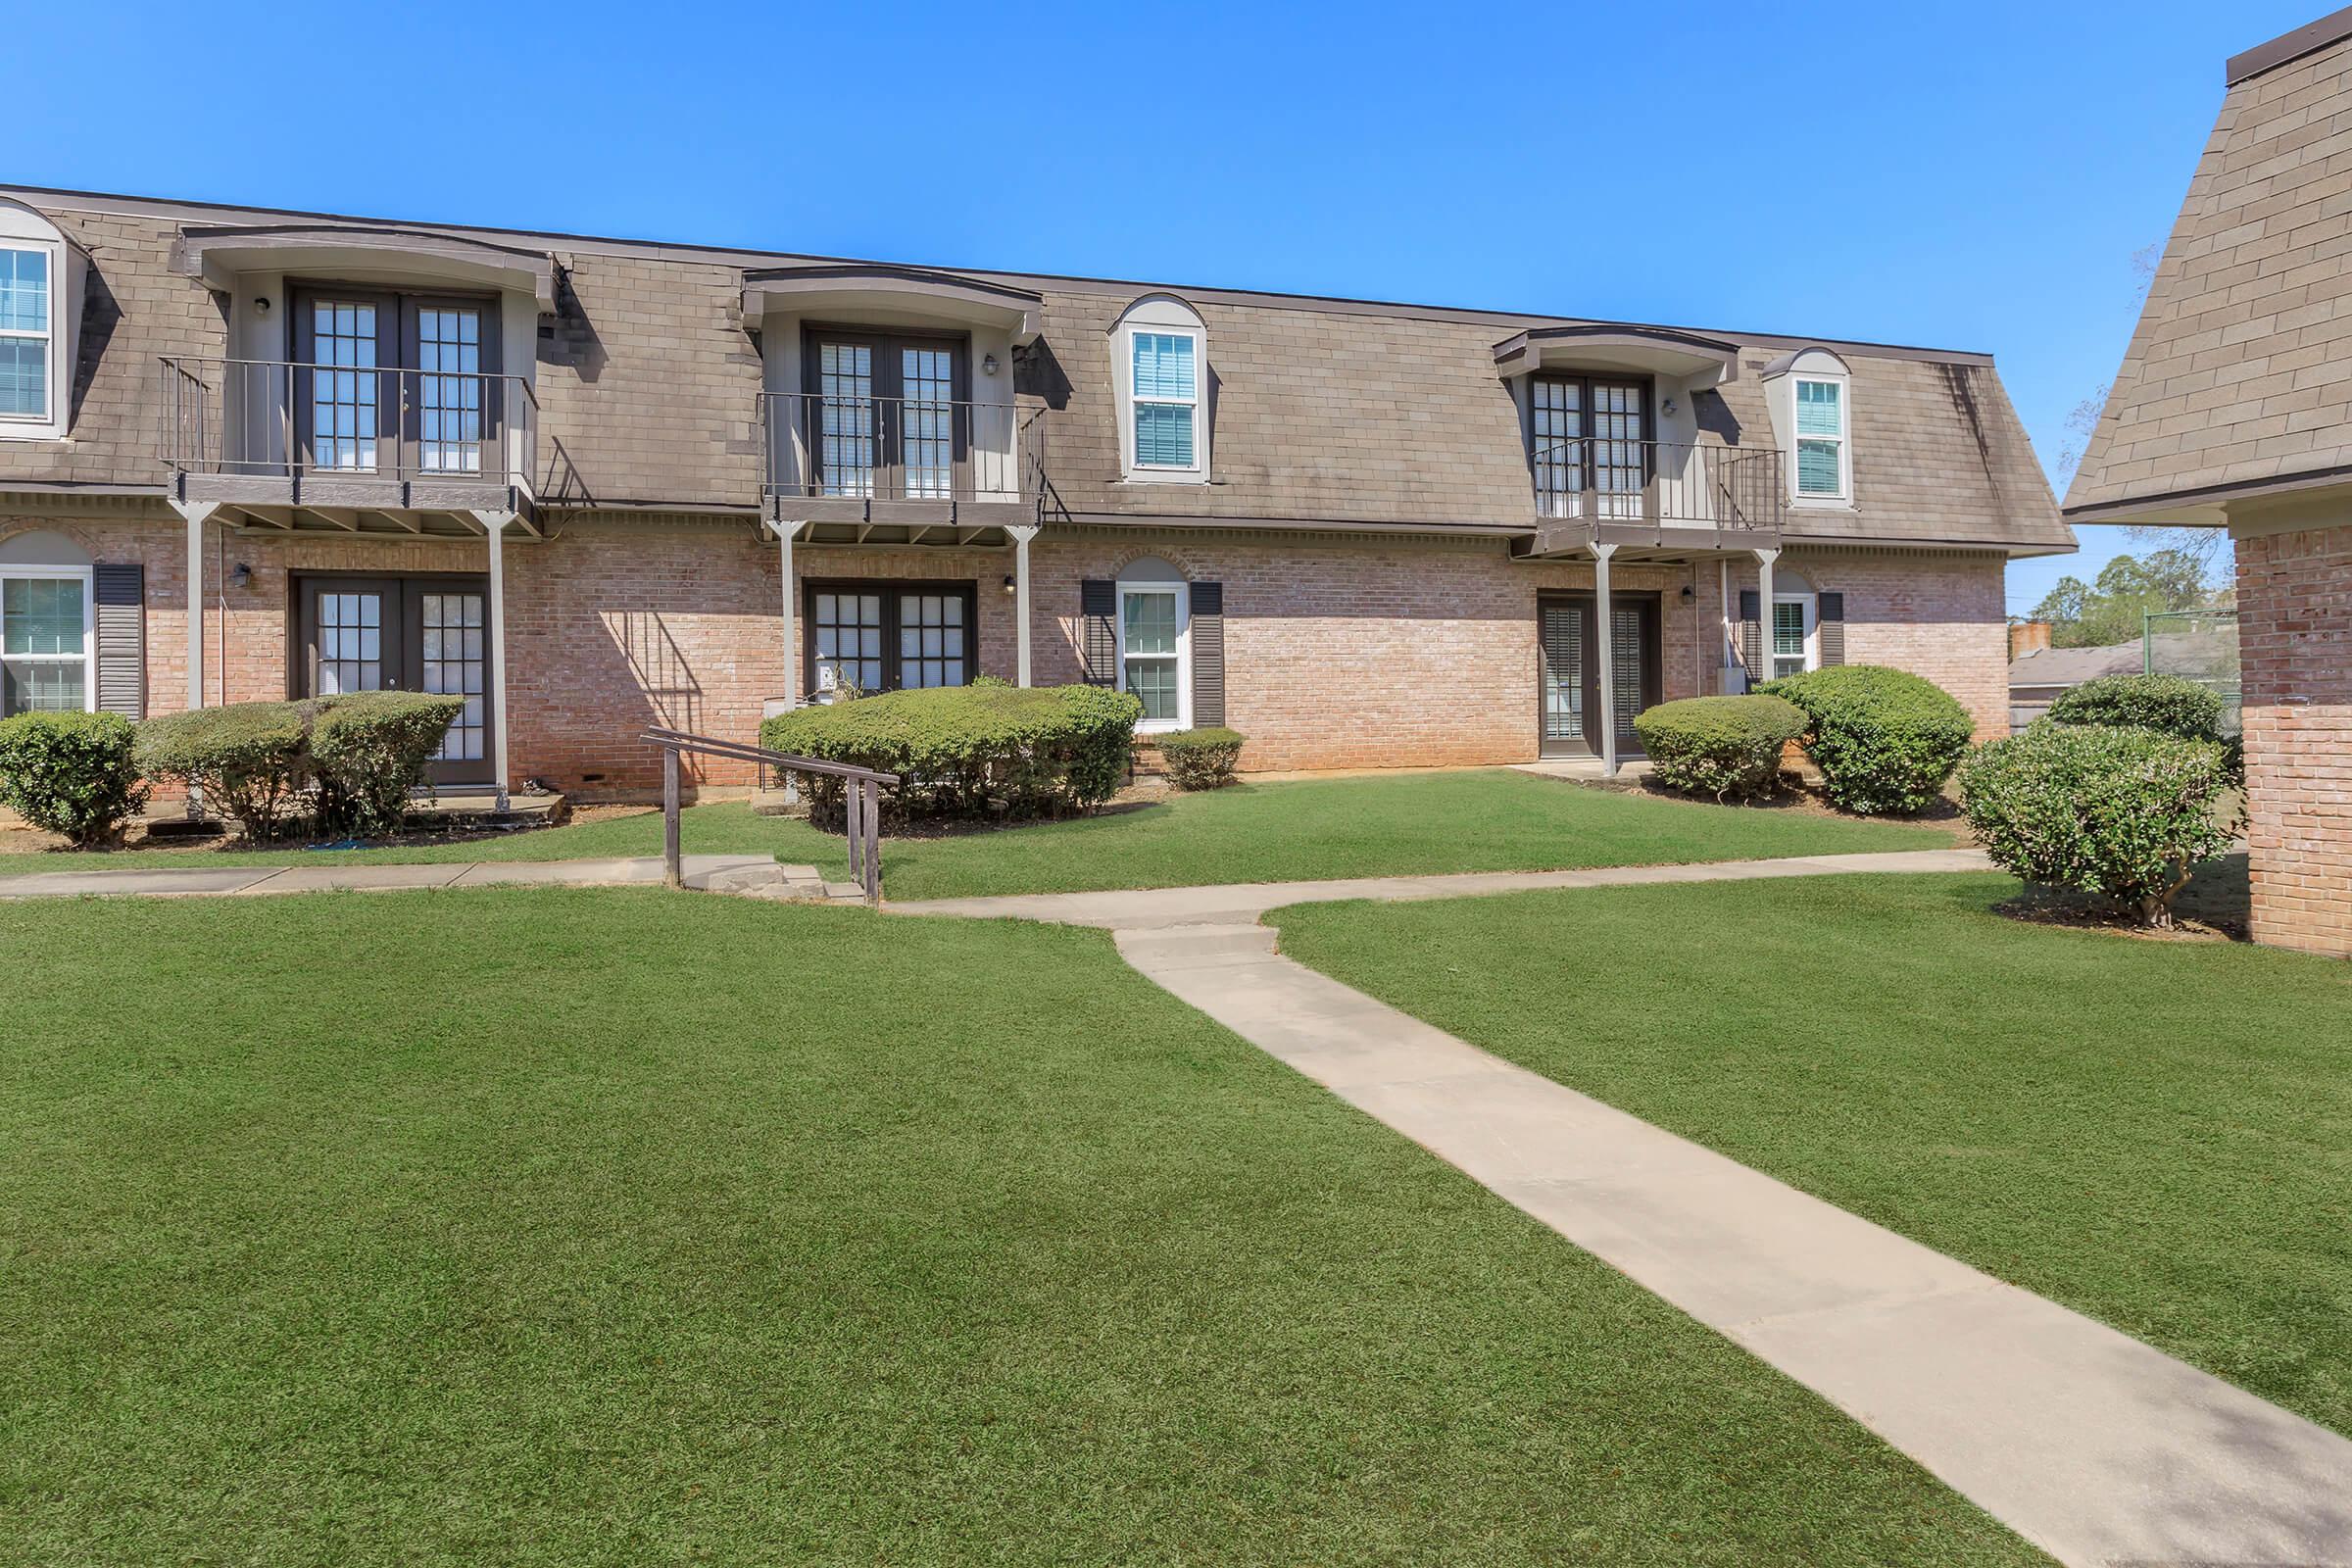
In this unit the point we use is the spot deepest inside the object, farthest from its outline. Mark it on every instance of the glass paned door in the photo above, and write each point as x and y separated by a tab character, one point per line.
1589	445
931	640
348	650
446	340
339	381
847	628
1620	457
886	419
1556	415
452	663
1561	648
1568	670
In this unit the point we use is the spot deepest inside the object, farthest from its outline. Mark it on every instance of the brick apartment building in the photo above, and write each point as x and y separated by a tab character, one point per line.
2234	408
601	483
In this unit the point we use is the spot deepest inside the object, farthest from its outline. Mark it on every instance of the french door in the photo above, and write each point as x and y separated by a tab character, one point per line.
1588	440
414	634
394	384
887	417
865	637
1568	670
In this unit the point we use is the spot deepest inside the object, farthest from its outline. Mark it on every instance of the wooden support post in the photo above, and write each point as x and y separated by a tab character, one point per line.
1022	533
852	800
674	870
874	842
1608	673
196	513
494	530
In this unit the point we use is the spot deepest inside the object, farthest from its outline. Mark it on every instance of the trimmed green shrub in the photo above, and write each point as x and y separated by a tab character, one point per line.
2171	704
1200	758
369	749
71	773
1885	740
1726	747
246	757
2122	812
966	751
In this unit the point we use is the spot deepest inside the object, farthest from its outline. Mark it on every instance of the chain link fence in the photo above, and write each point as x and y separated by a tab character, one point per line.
2200	645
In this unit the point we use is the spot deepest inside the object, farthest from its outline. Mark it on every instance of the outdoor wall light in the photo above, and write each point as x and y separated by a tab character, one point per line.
1009	582
1690	592
260	306
1667	407
242	577
988	364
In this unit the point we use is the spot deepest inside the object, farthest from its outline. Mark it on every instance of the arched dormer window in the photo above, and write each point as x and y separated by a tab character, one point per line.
1160	370
40	308
1810	393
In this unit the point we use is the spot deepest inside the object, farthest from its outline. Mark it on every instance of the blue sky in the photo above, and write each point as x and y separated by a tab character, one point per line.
1962	177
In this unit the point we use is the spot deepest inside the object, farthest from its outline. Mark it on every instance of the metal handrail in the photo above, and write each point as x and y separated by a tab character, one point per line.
261	418
1612	478
863	800
817	445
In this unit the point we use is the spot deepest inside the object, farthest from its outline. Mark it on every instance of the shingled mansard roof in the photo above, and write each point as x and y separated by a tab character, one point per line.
2239	380
1325	409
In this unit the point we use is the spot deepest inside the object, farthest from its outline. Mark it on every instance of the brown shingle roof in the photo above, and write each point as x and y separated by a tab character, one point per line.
2240	370
1325	409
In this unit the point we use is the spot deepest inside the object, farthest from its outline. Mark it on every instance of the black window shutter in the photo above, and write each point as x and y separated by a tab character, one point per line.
1097	637
1833	628
1751	637
1208	654
119	592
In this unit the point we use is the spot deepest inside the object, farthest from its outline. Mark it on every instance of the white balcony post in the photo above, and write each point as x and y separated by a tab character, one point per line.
786	533
1609	674
1764	560
494	530
1022	533
196	513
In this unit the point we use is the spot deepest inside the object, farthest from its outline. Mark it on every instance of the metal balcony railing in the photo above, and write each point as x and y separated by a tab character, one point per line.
1664	483
271	418
815	446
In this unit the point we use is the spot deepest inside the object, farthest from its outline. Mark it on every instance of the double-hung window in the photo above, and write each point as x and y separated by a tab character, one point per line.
1152	651
45	644
1792	634
27	323
1821	440
1167	400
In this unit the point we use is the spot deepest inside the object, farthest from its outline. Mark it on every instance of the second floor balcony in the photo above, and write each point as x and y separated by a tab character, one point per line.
1587	487
358	447
868	459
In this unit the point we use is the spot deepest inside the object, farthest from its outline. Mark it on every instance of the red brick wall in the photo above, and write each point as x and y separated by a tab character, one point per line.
2295	597
1340	652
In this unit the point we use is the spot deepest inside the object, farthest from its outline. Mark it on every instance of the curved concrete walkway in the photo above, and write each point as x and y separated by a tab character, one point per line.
2094	1447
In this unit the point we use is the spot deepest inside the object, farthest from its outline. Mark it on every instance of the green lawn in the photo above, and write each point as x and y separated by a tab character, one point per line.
2158	1134
1407	824
616	1227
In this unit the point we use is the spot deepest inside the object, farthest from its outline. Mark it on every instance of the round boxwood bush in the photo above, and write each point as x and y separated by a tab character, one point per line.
2122	812
1885	740
968	751
1726	747
247	759
2171	704
369	751
1200	758
71	773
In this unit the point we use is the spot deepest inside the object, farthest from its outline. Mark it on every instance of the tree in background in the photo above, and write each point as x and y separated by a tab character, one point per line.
2109	609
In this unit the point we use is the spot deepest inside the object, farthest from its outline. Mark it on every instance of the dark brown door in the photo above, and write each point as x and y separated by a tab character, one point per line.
450	416
887	416
417	634
1588	442
1568	674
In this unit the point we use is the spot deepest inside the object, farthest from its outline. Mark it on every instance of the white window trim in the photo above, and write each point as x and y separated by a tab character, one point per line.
1812	608
1182	594
89	628
1845	438
44	423
1163	314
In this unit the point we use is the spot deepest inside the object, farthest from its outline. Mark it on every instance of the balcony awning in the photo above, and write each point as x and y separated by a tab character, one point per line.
872	291
1702	362
218	255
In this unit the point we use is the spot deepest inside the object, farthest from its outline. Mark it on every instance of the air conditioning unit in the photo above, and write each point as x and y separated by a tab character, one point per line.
1731	681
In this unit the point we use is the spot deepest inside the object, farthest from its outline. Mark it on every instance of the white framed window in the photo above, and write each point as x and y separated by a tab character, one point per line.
48	653
1159	365
1795	634
27	333
1155	628
1821	443
40	307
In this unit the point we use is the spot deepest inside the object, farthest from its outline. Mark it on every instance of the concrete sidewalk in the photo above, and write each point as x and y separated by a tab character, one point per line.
2094	1447
702	870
